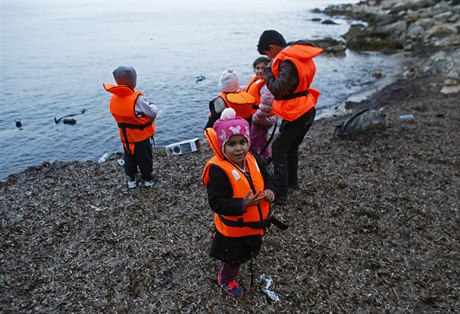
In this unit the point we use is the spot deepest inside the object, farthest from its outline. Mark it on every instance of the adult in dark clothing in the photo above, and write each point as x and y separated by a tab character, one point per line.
288	77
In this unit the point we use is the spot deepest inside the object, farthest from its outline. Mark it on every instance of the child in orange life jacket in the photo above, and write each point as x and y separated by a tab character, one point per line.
135	118
289	76
263	119
231	97
240	191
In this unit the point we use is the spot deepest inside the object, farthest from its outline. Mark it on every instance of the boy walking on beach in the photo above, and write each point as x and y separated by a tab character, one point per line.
135	118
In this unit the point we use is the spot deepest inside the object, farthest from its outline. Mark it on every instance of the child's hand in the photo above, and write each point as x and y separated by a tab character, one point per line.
252	200
269	196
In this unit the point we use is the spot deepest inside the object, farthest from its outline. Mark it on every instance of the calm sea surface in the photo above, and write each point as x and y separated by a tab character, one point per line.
56	55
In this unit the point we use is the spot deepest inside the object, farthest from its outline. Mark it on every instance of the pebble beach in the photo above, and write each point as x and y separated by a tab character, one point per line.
374	226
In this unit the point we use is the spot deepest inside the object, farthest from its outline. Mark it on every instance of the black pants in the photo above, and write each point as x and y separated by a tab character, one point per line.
285	151
142	157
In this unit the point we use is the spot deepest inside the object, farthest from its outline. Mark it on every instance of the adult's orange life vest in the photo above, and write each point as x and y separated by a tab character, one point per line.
256	219
243	103
291	106
122	106
254	86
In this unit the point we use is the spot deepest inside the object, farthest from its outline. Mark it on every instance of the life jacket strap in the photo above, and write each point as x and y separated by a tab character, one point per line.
255	224
124	126
127	146
292	96
240	223
135	126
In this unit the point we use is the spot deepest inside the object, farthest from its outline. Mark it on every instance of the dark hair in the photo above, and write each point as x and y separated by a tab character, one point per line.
260	60
270	37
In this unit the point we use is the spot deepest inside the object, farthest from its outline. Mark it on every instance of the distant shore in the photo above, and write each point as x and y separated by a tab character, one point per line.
425	31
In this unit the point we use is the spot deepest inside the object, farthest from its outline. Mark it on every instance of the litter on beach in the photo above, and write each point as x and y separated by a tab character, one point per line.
406	117
98	209
184	147
103	158
266	283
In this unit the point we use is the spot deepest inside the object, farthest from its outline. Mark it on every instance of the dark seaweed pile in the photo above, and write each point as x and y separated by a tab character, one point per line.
374	227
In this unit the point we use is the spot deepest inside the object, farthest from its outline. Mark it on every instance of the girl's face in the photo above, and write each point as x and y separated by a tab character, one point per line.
236	149
259	69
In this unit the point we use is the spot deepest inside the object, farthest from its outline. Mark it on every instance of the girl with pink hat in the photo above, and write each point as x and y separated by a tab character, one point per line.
240	191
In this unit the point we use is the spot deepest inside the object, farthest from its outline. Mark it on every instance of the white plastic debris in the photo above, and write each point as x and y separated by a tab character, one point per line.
103	158
121	162
406	117
98	209
266	283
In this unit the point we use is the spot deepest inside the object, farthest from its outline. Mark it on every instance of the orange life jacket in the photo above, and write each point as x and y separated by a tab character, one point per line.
243	103
254	86
291	106
256	219
122	106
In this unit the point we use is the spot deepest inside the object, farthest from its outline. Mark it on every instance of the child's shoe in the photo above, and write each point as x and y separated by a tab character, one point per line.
149	184
132	183
233	289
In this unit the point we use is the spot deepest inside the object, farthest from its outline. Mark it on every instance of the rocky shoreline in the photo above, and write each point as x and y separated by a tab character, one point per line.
374	226
426	30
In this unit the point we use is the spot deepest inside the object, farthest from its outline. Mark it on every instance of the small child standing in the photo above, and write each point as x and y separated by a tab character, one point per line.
263	119
135	118
231	96
239	193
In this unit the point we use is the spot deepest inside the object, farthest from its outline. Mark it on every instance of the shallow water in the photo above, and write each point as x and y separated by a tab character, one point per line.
57	55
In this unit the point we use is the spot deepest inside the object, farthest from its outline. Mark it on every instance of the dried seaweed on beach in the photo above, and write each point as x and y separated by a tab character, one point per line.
374	227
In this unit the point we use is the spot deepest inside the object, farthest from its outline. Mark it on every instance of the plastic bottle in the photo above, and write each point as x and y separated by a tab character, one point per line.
103	158
406	117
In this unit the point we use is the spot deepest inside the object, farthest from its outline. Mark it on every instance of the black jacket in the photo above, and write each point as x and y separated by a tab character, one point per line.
234	251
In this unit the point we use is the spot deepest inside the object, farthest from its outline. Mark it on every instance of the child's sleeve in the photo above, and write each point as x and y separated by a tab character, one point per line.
266	98
219	105
215	110
143	107
220	194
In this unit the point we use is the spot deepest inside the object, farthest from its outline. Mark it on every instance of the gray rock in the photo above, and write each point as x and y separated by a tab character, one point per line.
328	22
427	30
443	30
426	23
393	30
453	74
443	17
447	42
415	31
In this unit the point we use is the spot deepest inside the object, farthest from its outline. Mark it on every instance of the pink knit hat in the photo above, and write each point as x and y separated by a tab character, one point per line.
228	125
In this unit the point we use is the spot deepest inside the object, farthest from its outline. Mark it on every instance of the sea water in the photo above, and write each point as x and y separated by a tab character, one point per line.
55	56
